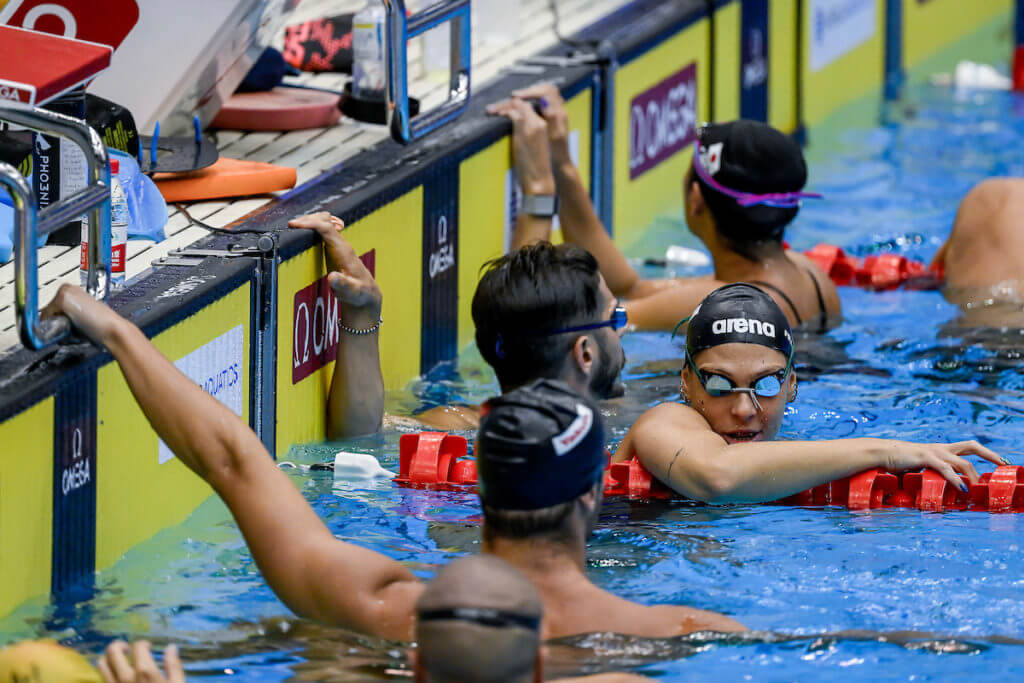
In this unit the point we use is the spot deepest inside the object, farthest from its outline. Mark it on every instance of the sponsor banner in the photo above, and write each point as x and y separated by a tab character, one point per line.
217	368
315	325
74	483
662	120
440	312
19	92
107	22
837	27
754	60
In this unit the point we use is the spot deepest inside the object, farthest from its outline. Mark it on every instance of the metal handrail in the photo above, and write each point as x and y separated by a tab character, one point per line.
400	29
30	223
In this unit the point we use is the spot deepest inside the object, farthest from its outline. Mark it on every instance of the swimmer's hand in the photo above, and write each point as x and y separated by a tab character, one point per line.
351	281
92	318
530	148
552	108
117	667
946	459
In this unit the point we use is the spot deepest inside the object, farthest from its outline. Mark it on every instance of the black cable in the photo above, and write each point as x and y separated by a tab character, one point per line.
205	226
583	45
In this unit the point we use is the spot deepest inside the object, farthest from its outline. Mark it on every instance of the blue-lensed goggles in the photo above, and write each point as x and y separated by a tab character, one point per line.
617	320
717	386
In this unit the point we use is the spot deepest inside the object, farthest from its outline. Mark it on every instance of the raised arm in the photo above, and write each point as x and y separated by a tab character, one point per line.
678	447
532	160
355	405
579	221
313	573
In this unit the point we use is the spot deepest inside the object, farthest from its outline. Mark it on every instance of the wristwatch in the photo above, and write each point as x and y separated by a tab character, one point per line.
540	205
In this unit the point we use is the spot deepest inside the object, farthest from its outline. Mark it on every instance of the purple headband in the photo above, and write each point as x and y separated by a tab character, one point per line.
781	200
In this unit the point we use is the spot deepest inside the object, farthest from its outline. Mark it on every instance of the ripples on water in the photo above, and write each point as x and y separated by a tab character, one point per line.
928	594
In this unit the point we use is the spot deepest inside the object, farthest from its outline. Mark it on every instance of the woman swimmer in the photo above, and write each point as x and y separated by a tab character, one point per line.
737	377
739	194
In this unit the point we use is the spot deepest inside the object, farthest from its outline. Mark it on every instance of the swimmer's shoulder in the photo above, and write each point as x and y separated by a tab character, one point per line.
828	288
449	418
664	416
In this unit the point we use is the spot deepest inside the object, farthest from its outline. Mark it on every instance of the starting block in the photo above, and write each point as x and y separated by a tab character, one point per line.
36	67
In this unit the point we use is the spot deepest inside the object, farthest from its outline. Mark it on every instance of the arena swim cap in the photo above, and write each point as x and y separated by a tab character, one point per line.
45	661
738	312
538	446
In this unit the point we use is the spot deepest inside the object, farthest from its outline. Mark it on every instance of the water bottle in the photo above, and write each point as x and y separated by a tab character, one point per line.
369	59
685	256
118	233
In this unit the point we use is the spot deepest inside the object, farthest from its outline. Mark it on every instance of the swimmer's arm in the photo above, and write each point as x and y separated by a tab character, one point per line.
312	572
664	309
678	447
355	404
582	227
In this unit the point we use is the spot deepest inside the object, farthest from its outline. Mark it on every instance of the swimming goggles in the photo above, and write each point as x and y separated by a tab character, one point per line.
493	618
717	386
781	200
617	320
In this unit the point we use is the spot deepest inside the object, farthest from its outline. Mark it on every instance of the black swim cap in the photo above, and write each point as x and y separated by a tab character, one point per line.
539	446
738	313
752	157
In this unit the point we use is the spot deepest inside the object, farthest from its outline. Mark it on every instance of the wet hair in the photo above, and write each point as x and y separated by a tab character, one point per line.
750	231
536	287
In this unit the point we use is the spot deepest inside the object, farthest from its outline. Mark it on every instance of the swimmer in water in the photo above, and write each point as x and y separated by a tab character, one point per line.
983	258
737	377
741	191
481	620
538	509
560	285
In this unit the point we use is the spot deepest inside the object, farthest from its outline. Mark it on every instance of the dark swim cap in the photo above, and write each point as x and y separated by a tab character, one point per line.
539	446
738	313
750	157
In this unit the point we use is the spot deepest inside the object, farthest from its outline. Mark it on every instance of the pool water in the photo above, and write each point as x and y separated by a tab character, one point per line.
882	595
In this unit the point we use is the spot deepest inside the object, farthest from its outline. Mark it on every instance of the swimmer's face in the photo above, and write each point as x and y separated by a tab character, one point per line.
605	373
734	416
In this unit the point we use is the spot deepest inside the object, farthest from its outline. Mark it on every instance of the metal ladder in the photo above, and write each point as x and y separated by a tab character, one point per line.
30	223
400	29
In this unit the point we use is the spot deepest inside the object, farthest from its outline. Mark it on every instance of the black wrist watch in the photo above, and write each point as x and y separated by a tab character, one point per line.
540	205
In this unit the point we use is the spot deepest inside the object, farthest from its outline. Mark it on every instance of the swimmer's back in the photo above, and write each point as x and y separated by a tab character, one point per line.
986	246
805	294
585	608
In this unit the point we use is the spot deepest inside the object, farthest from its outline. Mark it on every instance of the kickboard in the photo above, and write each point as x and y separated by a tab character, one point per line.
279	109
226	178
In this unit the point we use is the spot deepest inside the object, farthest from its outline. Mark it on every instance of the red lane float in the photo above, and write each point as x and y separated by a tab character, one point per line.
438	461
879	273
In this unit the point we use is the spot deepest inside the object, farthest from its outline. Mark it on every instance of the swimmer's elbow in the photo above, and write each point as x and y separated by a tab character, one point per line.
715	483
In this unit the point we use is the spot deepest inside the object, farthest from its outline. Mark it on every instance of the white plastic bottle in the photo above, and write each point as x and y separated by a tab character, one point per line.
369	61
118	233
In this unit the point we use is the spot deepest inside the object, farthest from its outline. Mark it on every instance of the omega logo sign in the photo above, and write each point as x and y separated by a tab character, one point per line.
443	258
75	474
662	120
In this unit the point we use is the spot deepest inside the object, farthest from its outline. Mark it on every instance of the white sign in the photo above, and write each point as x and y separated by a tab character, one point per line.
837	27
217	368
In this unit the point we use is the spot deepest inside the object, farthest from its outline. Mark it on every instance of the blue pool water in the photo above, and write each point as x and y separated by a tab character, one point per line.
885	595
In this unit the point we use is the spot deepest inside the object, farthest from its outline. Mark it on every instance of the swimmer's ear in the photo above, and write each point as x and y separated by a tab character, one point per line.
791	388
695	197
583	354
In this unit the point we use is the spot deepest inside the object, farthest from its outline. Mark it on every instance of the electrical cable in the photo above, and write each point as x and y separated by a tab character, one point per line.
206	226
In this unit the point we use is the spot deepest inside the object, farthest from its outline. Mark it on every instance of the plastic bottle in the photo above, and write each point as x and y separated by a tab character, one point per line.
369	59
119	218
685	256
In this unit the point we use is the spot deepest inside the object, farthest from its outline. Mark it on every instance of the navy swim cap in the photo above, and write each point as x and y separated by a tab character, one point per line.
539	446
742	313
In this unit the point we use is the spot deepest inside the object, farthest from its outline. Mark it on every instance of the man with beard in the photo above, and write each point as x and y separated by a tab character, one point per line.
541	312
